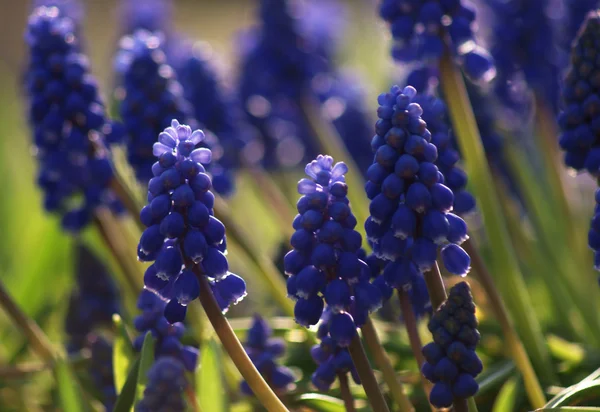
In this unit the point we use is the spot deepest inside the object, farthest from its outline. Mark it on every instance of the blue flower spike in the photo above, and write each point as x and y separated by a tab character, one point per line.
68	120
411	206
324	266
165	388
419	29
183	238
264	350
451	362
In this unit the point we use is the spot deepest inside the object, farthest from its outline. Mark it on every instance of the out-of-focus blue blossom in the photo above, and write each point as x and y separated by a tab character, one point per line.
451	362
101	368
95	300
324	265
289	57
332	358
524	44
150	15
419	28
594	233
575	12
165	388
68	120
580	119
264	350
168	336
183	237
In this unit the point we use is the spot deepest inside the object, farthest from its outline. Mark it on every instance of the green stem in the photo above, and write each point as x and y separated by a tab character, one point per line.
382	360
235	349
515	346
435	287
472	405
367	377
511	280
36	337
460	405
126	198
332	144
410	323
346	395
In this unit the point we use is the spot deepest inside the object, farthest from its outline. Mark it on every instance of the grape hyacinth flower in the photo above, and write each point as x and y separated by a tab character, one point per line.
68	119
580	119
167	335
183	237
410	204
451	362
524	46
419	28
331	358
263	350
93	303
435	114
166	386
149	96
324	265
101	368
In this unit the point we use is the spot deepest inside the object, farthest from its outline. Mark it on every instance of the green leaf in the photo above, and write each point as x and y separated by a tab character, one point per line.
508	395
122	353
495	377
69	391
322	403
570	409
126	398
209	379
576	393
146	361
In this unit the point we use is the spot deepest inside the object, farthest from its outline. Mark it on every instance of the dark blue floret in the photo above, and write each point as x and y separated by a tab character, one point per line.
451	362
68	120
168	336
325	263
264	350
165	388
594	233
580	119
409	223
332	359
419	28
183	237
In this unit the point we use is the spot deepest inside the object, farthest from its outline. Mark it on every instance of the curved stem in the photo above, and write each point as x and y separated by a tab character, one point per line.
235	349
515	346
511	280
410	323
367	377
346	395
382	360
472	405
435	286
126	198
36	337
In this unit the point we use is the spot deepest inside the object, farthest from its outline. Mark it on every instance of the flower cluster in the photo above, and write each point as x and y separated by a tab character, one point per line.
452	363
522	45
165	388
149	96
101	368
436	116
263	350
94	302
68	119
580	120
183	238
324	265
410	204
214	108
419	29
332	358
167	335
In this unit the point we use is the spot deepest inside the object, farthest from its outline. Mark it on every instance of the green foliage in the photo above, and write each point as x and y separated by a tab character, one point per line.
209	378
146	361
123	354
128	391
